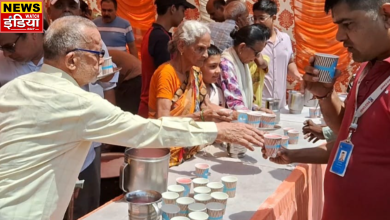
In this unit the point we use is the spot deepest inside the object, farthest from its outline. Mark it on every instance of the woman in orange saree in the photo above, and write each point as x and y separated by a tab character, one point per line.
176	88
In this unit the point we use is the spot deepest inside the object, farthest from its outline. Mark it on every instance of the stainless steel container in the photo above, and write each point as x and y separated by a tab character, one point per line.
236	151
309	101
273	104
145	169
143	205
295	102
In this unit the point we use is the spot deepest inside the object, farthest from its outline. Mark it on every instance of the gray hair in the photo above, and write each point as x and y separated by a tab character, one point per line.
65	34
234	9
188	32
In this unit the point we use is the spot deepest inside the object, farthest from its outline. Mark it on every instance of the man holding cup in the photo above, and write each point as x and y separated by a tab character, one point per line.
351	184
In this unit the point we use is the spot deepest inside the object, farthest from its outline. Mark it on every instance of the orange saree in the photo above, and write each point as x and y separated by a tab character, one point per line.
186	99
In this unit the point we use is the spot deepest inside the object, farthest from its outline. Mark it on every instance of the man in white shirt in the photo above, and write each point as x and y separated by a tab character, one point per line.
47	124
22	54
88	197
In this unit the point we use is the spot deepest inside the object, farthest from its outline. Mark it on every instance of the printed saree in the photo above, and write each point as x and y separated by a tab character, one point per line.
187	100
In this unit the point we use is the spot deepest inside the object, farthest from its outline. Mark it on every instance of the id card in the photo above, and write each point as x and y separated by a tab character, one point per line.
341	160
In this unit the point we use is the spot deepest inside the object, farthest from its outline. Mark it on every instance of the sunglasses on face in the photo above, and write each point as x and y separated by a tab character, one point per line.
10	47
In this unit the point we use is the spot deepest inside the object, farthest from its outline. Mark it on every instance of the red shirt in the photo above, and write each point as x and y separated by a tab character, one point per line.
364	192
154	52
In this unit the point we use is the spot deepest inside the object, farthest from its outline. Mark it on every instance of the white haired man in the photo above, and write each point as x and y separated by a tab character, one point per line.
88	198
234	13
49	123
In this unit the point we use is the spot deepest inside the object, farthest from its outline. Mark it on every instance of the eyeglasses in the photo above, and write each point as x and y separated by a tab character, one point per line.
10	47
100	53
262	19
257	53
250	18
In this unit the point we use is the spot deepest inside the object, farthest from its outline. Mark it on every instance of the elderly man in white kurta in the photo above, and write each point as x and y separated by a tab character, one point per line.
47	124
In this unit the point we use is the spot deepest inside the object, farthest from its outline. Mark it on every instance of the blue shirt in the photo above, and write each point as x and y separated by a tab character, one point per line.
115	34
10	69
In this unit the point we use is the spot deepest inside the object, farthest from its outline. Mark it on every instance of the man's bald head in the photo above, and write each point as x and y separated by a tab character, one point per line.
73	44
235	9
215	9
61	8
65	34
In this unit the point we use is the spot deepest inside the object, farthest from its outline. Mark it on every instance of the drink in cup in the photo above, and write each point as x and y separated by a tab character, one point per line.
202	190
177	189
313	112
215	186
293	136
202	198
198	216
268	121
326	65
169	197
229	185
202	170
285	130
197	207
215	210
284	142
183	204
186	183
272	144
169	211
254	118
200	182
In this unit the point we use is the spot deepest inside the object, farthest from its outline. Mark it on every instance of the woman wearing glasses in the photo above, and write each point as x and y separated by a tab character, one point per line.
236	80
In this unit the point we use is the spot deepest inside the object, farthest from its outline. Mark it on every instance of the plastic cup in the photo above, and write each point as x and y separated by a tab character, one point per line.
183	204
254	118
220	197
198	216
197	207
186	183
107	67
313	112
268	121
216	210
170	197
272	144
293	136
243	116
284	142
202	198
202	190
326	65
169	211
285	130
180	218
199	182
177	189
229	185
215	186
202	170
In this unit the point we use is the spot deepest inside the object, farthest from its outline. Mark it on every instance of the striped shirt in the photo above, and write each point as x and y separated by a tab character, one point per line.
220	34
115	34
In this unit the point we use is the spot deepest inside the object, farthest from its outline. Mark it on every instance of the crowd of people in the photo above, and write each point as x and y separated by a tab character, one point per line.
55	115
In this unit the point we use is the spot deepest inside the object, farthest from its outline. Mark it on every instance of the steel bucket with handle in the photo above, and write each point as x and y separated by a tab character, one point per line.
145	169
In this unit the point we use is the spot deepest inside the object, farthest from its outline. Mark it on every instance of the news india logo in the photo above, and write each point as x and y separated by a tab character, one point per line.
24	16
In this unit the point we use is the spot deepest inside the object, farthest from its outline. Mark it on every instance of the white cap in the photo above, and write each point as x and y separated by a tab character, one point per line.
52	2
